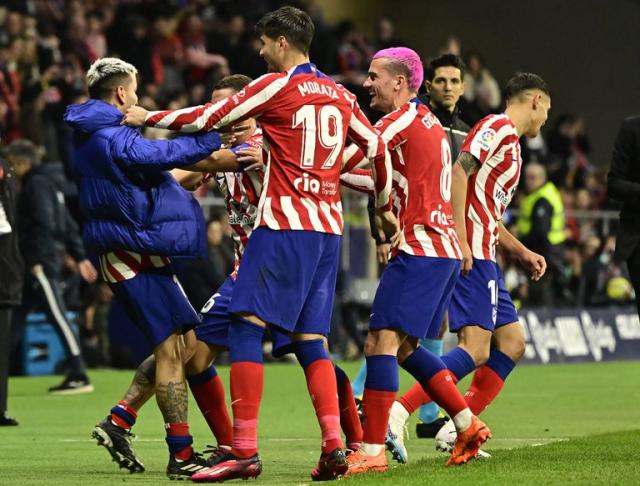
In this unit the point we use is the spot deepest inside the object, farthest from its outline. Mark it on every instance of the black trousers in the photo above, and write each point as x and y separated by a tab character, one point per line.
5	348
44	290
633	264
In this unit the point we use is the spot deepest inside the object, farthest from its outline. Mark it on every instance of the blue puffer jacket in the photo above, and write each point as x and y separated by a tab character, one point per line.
131	202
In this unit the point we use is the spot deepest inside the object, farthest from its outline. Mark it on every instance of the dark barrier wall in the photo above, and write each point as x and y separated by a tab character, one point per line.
588	50
573	335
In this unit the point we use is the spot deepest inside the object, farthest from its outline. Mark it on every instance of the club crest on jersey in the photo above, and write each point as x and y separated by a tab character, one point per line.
486	138
312	87
307	184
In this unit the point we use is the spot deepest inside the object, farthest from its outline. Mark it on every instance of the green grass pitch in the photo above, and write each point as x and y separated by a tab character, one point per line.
554	424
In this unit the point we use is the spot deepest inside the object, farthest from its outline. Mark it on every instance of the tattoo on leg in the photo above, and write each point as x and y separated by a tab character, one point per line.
172	400
143	385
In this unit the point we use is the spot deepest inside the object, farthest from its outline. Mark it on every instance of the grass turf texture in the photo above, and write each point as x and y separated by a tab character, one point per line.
551	425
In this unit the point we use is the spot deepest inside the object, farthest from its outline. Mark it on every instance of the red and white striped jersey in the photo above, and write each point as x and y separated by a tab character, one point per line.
494	142
241	191
120	265
306	118
421	193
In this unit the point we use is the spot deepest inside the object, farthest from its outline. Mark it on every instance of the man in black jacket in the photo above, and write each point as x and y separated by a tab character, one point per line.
11	268
624	186
444	80
47	232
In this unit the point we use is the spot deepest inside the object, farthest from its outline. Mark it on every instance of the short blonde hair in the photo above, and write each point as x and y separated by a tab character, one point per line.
107	72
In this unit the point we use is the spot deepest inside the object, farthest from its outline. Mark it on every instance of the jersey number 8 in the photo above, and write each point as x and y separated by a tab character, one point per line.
445	175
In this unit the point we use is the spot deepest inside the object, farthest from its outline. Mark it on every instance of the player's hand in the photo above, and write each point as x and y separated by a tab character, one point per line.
382	252
194	182
231	134
251	157
388	227
534	263
135	116
467	257
87	271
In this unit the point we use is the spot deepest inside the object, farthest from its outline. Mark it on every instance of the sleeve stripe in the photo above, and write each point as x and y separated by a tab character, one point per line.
400	124
254	101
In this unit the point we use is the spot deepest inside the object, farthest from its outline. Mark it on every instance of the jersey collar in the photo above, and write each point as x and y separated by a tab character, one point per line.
307	68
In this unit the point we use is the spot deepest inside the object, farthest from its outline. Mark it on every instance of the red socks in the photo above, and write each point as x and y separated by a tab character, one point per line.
484	388
179	440
124	415
443	391
377	406
321	382
349	419
247	380
210	397
414	398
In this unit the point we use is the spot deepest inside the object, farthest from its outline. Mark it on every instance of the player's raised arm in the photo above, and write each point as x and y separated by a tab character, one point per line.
249	102
466	165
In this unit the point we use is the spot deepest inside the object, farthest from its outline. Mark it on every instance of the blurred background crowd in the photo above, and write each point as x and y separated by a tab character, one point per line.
182	48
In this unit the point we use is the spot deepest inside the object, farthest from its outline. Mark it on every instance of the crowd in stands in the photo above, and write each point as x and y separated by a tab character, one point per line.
182	47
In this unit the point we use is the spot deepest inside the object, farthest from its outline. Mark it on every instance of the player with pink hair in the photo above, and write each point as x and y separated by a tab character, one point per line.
417	284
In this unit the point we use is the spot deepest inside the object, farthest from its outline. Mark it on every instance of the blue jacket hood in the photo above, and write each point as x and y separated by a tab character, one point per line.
92	115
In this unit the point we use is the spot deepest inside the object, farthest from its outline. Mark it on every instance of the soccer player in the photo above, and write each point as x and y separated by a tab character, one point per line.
138	218
445	85
241	191
485	177
288	273
416	285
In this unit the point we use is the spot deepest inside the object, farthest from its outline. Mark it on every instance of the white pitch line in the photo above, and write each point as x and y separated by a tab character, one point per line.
538	440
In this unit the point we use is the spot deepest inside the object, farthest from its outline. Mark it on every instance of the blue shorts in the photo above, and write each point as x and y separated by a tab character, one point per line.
216	319
281	341
413	294
481	299
288	279
156	303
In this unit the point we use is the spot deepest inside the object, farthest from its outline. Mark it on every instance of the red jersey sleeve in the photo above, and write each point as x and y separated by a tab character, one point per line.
250	102
353	157
360	180
371	144
485	138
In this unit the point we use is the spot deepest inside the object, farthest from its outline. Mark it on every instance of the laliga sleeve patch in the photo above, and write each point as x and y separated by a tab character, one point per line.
486	138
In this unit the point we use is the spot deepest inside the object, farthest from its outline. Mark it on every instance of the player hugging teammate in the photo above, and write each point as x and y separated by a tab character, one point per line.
441	219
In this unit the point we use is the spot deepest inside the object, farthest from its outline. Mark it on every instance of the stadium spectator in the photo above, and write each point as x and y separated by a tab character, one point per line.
568	148
541	228
385	34
624	185
11	276
354	52
482	91
47	232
